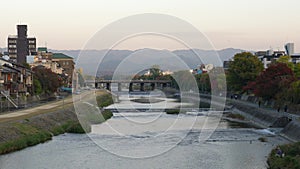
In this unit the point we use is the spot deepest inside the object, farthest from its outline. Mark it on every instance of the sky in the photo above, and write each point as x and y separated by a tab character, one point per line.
243	24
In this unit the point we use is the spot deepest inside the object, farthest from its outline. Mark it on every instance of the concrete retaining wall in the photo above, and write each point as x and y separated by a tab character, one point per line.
292	130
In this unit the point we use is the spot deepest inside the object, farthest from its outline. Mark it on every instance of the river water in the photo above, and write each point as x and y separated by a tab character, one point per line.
136	140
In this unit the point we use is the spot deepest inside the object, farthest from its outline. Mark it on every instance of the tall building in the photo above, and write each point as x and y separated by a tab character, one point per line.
20	46
289	47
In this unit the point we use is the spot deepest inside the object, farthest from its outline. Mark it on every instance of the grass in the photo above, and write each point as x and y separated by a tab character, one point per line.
30	136
147	100
263	139
104	100
27	134
291	160
96	118
68	127
173	111
235	116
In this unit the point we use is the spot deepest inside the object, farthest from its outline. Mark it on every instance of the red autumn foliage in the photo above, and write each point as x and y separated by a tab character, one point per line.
275	79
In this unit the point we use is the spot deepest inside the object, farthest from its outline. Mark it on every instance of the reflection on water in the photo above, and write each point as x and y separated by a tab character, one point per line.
149	140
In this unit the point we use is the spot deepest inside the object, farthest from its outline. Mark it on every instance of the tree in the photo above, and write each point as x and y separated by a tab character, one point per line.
291	65
203	82
297	70
286	60
244	69
155	72
37	86
185	81
273	82
49	81
294	92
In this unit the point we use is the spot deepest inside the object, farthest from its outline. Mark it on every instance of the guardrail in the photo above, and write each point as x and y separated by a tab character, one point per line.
9	99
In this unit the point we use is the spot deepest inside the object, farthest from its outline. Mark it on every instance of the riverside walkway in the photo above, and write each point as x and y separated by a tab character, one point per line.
45	108
262	108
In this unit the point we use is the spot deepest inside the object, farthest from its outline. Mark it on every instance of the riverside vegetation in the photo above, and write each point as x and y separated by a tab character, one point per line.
291	159
17	135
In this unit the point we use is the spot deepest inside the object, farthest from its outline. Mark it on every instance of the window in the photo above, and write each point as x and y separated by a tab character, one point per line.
12	41
12	51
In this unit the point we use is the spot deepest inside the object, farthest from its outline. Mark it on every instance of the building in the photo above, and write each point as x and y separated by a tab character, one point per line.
226	64
290	50
59	63
15	79
44	58
269	56
20	46
65	62
296	58
289	47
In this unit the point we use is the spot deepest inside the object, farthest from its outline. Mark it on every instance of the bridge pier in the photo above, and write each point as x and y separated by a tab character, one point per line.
164	85
96	85
119	87
130	87
142	87
108	86
152	86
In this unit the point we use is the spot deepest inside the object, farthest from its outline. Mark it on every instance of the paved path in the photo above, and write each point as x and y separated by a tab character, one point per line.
263	108
255	107
45	107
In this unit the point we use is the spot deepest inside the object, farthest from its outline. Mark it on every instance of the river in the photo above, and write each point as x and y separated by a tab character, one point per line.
135	140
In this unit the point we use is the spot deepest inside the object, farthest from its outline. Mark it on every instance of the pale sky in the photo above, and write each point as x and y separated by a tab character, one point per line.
244	24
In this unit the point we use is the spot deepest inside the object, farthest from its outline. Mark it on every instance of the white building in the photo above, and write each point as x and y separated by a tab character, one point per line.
289	47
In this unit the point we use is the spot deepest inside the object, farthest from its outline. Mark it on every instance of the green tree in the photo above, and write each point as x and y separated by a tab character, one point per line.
37	86
184	80
155	72
203	82
293	93
286	60
244	69
297	70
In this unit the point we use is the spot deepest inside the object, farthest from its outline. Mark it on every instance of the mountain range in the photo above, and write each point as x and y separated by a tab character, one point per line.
105	62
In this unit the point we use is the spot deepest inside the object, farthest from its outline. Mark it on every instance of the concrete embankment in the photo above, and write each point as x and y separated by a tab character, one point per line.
292	130
263	117
266	118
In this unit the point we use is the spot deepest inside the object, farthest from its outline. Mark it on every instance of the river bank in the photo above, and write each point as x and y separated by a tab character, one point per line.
42	126
290	131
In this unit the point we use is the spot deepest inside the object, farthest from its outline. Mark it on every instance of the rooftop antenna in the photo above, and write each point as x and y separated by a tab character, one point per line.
271	48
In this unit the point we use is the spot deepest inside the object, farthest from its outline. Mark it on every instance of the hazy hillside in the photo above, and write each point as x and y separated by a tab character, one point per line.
107	62
135	60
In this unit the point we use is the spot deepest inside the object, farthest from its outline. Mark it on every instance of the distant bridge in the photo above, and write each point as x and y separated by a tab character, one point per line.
153	83
116	109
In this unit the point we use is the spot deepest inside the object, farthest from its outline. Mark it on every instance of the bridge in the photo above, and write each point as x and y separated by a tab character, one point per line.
153	84
196	110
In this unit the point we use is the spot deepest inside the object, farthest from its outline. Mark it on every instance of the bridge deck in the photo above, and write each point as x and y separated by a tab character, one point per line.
130	81
157	109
